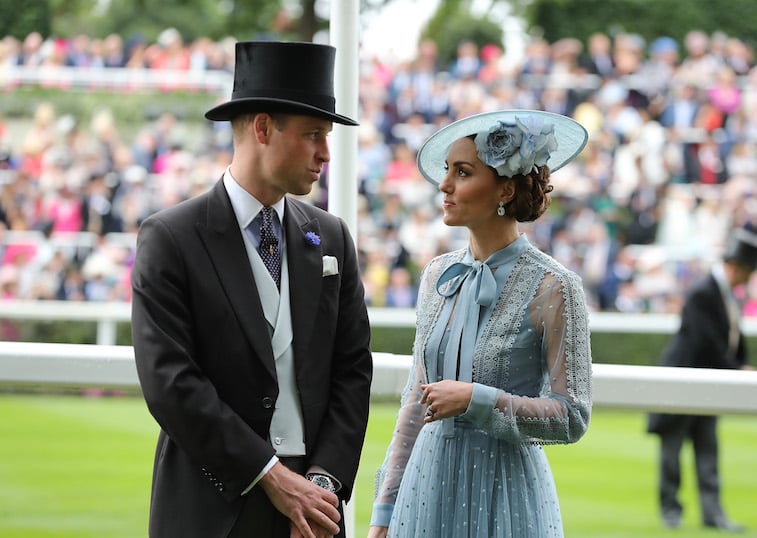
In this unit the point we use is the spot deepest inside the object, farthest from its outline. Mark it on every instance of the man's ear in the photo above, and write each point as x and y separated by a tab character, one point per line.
262	125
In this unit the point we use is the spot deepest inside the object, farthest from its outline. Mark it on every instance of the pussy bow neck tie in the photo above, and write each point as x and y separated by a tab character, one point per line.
480	274
477	287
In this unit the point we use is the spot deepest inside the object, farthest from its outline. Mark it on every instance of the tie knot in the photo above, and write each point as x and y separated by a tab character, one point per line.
267	213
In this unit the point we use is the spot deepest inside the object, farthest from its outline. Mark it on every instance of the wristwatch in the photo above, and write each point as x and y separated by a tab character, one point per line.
323	481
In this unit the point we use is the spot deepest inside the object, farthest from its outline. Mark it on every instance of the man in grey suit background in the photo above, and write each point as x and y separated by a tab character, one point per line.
709	337
249	324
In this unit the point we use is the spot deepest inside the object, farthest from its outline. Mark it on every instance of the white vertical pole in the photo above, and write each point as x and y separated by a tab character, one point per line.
343	165
343	186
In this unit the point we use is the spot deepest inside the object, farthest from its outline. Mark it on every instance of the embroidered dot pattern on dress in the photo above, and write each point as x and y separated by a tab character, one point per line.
269	245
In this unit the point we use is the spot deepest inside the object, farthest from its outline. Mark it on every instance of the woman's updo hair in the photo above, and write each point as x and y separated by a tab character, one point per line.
531	197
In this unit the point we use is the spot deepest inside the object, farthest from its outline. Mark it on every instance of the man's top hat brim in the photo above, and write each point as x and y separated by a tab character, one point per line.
229	110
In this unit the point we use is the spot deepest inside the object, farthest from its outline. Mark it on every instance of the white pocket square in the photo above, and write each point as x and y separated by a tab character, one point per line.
330	266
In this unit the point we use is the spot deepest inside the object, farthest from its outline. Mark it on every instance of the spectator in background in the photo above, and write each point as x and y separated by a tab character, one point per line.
598	58
656	73
492	69
373	159
113	51
170	52
467	62
709	337
412	87
400	291
699	65
31	53
64	208
78	51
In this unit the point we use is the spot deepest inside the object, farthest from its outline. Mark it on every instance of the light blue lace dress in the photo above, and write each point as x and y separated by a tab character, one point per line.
520	323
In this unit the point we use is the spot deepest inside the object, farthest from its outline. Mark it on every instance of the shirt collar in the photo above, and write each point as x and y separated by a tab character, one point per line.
718	273
246	206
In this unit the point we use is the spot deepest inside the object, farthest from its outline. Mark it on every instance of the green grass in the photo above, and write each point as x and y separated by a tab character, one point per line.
73	467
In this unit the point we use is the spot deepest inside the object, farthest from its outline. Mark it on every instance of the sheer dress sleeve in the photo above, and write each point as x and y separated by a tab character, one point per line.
409	421
560	411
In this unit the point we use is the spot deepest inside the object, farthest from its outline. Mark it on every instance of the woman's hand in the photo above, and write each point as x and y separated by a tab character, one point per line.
446	398
377	532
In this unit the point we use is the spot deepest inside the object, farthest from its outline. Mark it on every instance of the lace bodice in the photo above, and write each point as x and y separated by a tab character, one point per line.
531	365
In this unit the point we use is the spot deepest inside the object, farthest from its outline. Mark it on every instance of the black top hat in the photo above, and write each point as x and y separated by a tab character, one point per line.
742	248
278	76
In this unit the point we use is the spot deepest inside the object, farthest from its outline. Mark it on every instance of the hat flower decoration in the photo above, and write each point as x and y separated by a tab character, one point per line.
517	148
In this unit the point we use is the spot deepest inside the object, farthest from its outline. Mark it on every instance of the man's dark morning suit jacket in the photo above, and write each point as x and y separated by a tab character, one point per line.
702	340
206	366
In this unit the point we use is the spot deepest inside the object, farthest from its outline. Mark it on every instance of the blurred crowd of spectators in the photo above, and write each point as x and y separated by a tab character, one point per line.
670	167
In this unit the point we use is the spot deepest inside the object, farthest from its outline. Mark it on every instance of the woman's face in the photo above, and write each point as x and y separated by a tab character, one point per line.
471	189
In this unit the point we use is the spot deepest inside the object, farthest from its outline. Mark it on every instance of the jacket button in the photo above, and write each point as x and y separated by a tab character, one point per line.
267	402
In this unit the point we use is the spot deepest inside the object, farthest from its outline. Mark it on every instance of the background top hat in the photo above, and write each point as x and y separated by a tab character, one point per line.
271	76
741	248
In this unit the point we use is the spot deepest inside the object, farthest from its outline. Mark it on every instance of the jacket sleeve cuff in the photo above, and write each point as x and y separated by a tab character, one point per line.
262	473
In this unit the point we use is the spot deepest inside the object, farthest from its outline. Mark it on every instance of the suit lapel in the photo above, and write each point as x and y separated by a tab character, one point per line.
305	274
226	248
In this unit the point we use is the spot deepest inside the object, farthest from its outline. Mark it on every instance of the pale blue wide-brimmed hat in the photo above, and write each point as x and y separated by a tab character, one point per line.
571	138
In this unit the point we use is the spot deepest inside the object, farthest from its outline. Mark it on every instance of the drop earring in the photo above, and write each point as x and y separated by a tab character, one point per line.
501	209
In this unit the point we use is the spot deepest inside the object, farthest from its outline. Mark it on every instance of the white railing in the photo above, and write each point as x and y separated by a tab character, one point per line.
130	79
643	388
108	315
116	78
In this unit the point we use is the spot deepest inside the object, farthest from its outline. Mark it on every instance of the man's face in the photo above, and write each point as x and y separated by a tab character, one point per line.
742	274
298	148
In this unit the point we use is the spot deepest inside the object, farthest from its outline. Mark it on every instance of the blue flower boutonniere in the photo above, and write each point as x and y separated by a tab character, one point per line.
313	238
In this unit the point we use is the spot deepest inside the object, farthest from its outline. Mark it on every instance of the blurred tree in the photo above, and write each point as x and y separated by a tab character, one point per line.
555	19
146	18
259	19
68	17
16	22
454	22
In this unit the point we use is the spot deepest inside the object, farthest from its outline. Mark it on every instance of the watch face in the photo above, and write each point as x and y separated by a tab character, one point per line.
323	482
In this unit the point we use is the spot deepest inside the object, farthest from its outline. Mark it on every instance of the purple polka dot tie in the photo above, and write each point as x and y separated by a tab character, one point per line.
269	245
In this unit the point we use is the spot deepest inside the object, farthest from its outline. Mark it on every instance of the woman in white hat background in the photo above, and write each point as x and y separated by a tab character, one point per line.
502	358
